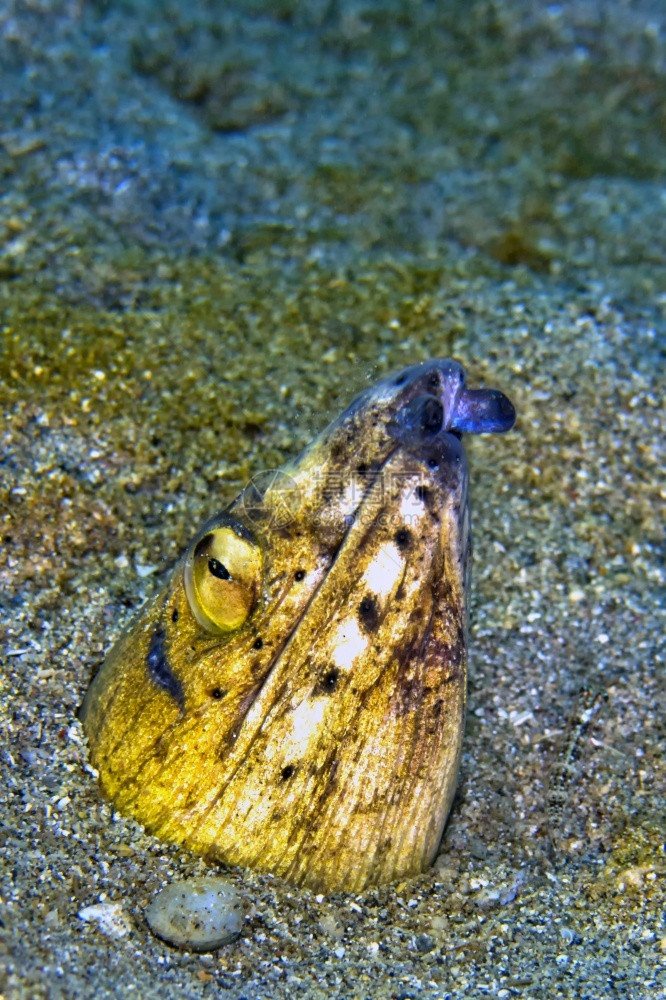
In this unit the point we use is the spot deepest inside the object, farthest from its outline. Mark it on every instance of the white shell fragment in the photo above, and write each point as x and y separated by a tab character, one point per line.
109	917
199	914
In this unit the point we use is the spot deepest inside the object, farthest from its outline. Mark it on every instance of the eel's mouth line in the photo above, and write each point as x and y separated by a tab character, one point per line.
419	423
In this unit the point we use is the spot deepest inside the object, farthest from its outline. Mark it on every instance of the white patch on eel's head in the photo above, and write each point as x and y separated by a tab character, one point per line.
384	572
349	642
306	720
412	508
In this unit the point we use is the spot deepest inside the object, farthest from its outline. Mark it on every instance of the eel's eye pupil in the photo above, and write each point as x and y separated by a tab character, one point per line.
218	569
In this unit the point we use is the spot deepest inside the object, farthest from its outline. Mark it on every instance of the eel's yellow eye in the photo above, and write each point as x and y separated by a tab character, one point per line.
222	579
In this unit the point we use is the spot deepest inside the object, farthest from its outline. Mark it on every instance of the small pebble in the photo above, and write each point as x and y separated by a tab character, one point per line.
198	913
568	935
424	943
144	569
109	917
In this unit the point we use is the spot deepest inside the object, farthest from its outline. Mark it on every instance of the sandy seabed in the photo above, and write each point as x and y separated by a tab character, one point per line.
217	225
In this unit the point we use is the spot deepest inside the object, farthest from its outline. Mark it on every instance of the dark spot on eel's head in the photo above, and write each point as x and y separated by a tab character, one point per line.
258	642
402	538
174	615
299	574
287	772
217	694
329	681
368	615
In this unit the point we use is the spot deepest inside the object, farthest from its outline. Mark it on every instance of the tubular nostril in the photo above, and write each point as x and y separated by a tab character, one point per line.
483	411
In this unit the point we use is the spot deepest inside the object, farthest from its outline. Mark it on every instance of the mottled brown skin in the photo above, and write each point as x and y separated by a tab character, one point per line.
273	747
